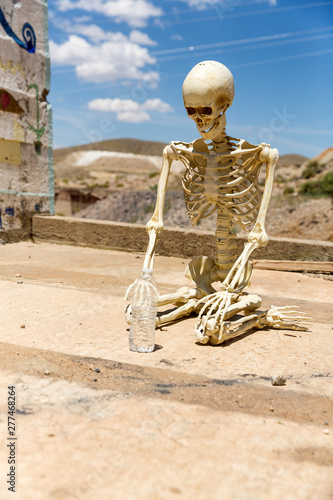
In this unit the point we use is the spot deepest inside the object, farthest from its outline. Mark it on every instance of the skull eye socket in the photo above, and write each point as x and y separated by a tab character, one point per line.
207	111
190	111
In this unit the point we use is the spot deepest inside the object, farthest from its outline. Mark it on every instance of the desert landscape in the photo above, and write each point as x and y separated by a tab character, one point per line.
117	180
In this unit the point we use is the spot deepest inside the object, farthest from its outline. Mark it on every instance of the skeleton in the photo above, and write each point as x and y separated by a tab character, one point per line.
220	177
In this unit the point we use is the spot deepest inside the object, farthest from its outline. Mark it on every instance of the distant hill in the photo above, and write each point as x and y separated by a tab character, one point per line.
153	148
325	156
292	159
123	175
134	146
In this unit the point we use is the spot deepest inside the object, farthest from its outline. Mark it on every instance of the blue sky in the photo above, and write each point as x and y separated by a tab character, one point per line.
118	68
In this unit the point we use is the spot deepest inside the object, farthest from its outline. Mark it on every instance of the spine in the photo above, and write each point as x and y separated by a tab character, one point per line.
225	256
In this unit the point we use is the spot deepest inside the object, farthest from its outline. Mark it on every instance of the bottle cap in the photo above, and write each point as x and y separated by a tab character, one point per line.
147	270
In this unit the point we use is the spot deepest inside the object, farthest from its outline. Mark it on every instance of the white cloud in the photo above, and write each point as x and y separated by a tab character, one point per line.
228	4
202	4
133	117
178	38
134	12
115	59
141	38
128	110
75	51
96	34
93	32
82	19
156	105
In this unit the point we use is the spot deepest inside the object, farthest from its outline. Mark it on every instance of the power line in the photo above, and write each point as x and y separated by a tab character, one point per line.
238	45
240	41
280	59
176	11
250	13
252	47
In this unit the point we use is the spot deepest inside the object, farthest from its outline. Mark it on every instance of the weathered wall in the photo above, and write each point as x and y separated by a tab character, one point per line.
173	242
26	175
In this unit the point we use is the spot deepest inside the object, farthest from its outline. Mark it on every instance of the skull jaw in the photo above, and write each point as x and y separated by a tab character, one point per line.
219	124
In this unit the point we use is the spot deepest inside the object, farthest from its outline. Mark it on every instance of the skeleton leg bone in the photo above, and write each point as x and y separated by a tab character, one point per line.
285	318
190	306
193	303
181	299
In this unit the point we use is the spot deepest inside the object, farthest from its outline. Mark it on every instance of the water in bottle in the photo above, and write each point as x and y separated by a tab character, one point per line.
144	311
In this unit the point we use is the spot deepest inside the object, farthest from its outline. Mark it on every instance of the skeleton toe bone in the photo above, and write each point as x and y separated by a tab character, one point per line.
287	318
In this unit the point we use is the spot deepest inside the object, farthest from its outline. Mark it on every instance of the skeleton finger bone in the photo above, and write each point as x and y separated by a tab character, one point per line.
222	310
128	314
190	306
129	289
216	307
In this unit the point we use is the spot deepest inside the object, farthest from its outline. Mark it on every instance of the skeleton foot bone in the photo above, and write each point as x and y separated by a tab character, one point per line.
287	318
212	329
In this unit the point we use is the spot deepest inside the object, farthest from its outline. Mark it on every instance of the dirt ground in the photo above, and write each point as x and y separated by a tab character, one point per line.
185	421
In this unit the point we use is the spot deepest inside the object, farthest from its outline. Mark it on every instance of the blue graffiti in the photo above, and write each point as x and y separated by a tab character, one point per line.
28	34
10	211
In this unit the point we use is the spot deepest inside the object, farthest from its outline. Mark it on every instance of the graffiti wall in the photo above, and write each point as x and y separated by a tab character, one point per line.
26	175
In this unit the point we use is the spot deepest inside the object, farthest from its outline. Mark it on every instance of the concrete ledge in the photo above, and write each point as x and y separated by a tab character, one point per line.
173	242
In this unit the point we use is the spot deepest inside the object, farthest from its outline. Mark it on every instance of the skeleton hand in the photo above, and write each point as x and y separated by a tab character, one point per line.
259	235
214	311
287	318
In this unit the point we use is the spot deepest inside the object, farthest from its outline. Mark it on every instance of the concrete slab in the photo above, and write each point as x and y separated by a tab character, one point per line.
184	243
186	421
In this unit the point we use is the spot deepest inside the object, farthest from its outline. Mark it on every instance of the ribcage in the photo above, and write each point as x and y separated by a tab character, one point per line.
239	192
197	205
236	184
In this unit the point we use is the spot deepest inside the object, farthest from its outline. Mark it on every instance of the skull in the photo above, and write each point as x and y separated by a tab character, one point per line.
208	90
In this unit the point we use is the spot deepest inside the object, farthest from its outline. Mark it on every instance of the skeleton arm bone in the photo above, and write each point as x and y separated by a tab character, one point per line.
173	151
155	225
258	233
156	222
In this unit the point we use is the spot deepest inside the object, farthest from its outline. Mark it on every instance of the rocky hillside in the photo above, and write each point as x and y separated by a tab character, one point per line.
126	183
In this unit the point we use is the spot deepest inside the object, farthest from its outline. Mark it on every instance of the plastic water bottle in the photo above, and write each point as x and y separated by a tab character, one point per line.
144	311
